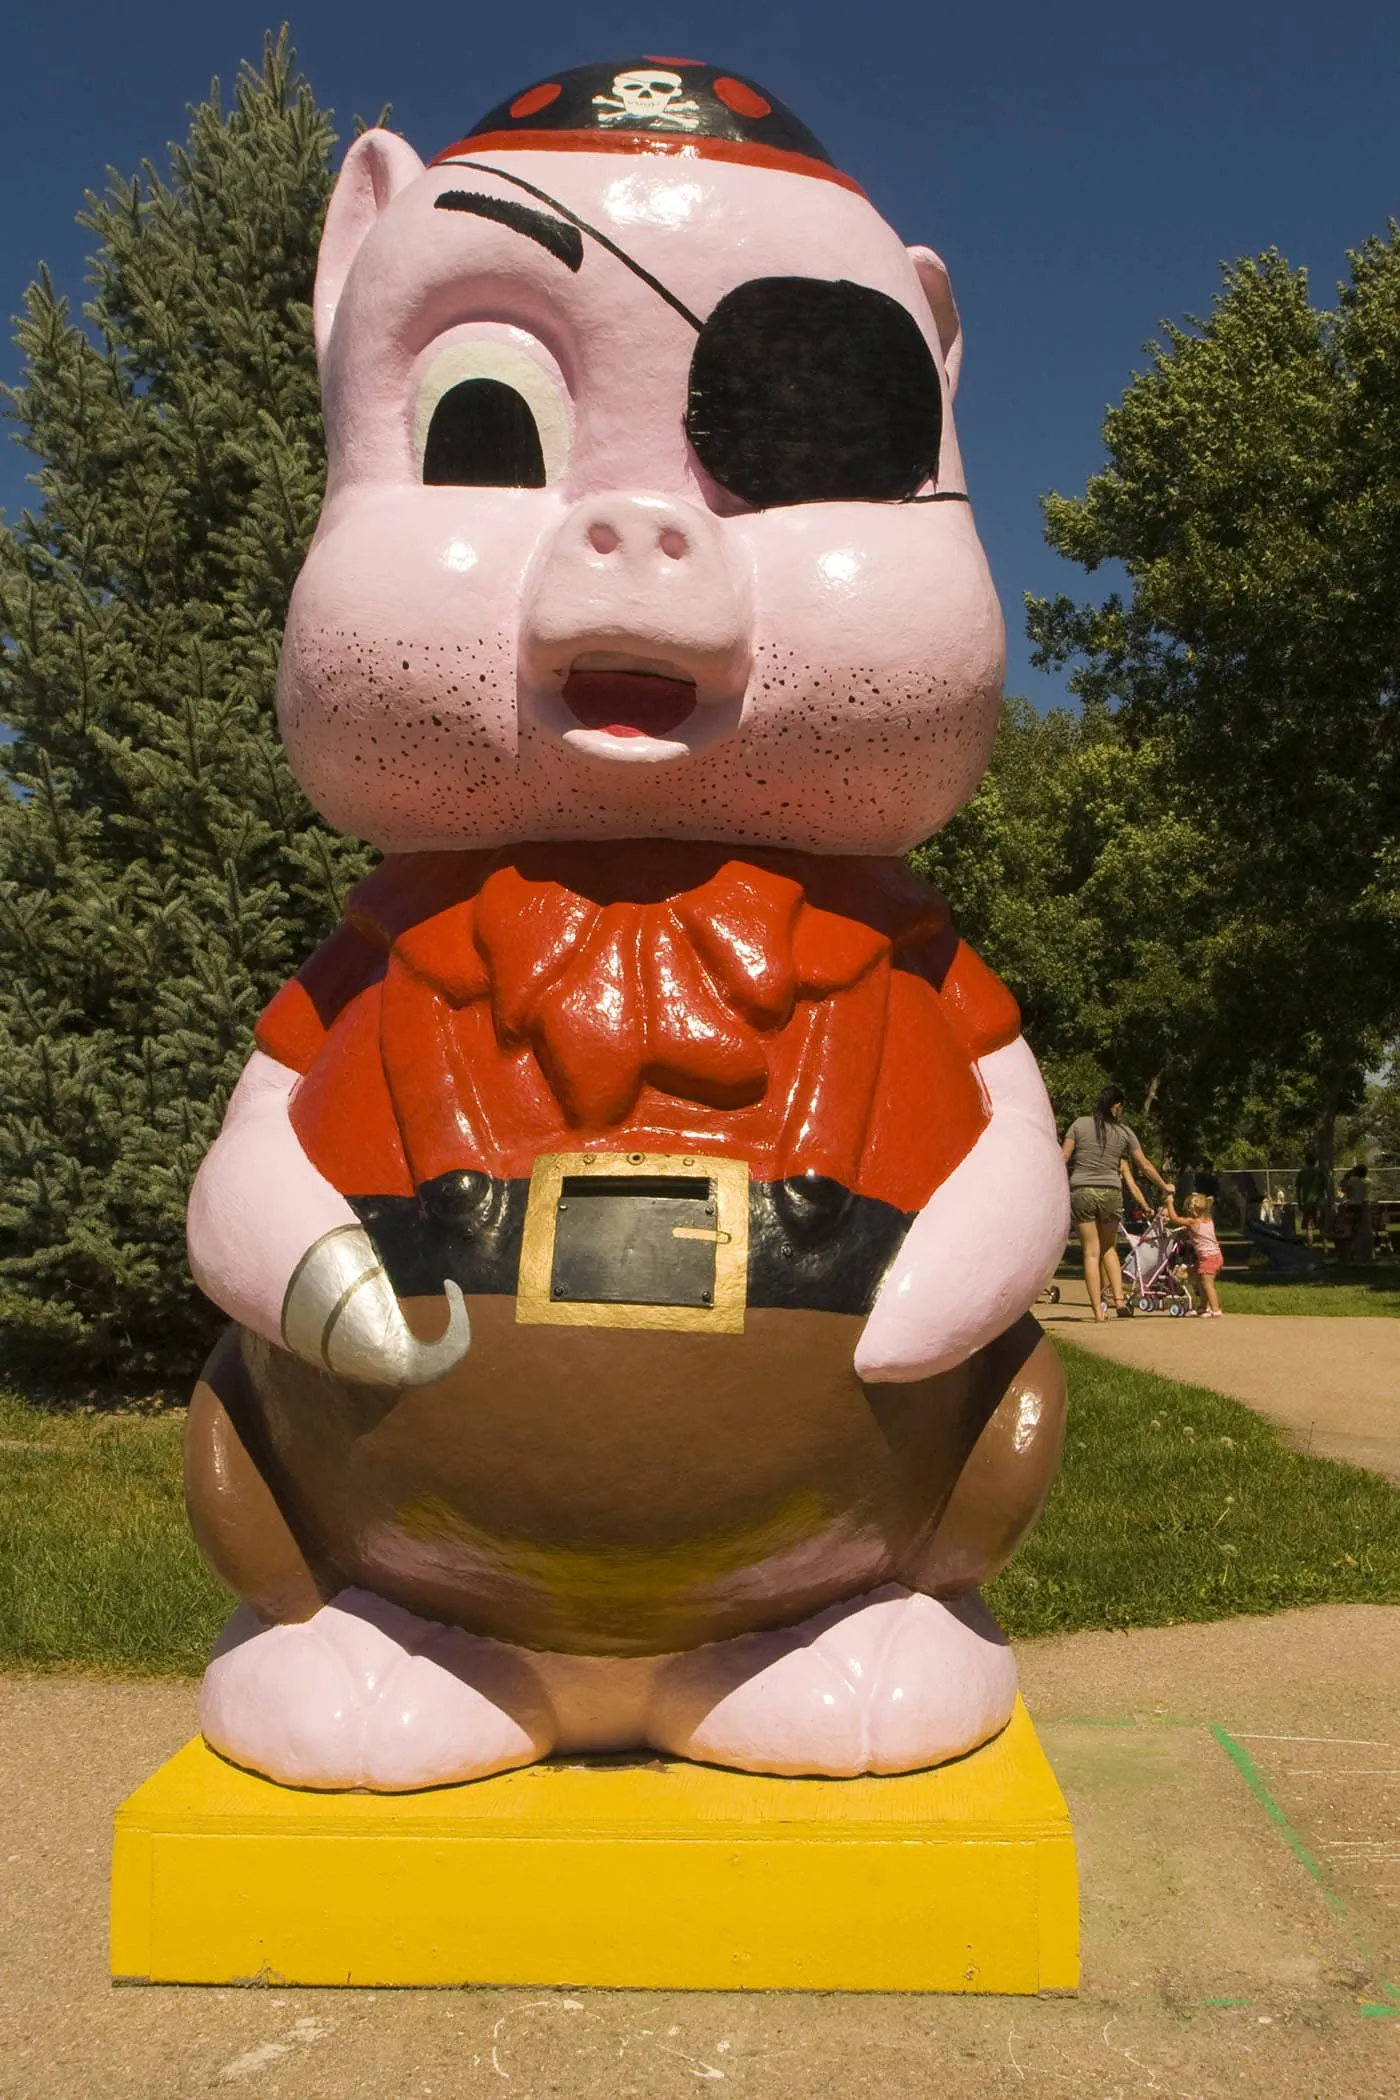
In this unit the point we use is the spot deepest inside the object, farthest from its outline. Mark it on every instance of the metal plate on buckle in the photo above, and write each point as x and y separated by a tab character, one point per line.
636	1239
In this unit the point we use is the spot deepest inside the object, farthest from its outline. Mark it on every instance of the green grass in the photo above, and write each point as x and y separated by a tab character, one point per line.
1339	1292
1174	1504
97	1567
1177	1504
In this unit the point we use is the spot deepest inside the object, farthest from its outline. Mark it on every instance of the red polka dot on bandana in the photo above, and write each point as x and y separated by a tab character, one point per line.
536	98
744	101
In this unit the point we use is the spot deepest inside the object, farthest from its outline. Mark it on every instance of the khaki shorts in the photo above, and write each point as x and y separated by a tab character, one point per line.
1104	1204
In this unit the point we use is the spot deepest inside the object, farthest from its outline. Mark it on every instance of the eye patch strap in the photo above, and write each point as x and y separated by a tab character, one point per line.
480	167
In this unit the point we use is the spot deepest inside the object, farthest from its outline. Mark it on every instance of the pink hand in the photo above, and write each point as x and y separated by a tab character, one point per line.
984	1245
257	1203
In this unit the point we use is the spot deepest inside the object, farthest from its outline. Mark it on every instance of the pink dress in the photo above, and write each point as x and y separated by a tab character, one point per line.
1209	1259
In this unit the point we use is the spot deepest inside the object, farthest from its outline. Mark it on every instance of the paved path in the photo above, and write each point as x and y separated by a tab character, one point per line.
1331	1385
1216	1961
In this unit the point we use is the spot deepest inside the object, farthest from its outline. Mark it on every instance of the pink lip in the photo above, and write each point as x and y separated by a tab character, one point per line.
629	703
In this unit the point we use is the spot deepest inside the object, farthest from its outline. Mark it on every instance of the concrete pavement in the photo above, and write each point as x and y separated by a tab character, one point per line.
1234	1790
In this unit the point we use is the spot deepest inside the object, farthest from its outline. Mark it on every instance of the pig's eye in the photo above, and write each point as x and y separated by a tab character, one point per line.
807	390
488	415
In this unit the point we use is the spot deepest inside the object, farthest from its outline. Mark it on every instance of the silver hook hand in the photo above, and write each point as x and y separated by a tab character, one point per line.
340	1313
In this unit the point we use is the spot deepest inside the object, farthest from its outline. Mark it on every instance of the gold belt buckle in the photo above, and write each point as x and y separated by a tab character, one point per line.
636	1239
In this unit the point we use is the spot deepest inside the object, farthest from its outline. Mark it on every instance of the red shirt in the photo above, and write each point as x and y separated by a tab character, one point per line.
474	1010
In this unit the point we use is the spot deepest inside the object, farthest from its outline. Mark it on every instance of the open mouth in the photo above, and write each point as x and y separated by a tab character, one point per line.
629	703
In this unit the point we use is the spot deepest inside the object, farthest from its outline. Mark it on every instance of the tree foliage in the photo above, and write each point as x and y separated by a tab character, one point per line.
160	872
1252	493
1374	1128
1082	876
1086	890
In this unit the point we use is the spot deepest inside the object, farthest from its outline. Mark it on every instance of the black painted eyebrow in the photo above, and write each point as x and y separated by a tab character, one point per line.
484	167
561	239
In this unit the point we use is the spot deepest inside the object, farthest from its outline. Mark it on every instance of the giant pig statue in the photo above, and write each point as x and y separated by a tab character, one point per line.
629	1216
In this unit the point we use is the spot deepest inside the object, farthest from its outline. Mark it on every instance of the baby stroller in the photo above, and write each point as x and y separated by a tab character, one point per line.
1155	1257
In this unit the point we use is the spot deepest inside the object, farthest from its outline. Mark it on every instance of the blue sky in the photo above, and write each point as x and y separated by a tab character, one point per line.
1083	169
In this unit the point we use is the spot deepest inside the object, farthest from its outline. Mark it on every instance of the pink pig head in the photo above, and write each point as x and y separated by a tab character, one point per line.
645	515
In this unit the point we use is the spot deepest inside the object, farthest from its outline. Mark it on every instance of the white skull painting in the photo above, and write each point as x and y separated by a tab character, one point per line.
650	97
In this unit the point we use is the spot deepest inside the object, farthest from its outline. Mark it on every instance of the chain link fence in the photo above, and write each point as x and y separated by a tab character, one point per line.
1270	1193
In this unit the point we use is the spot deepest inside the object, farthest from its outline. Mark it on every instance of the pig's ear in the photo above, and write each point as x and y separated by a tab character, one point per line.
939	293
377	167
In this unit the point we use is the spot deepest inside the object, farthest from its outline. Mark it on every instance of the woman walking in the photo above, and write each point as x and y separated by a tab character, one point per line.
1097	1149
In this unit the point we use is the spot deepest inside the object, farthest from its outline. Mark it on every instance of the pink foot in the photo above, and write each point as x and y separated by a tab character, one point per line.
367	1695
890	1682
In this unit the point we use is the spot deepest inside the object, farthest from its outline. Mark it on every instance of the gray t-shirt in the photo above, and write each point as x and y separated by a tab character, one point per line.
1095	1165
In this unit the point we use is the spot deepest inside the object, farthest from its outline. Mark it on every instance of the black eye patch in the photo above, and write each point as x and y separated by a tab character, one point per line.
811	390
562	240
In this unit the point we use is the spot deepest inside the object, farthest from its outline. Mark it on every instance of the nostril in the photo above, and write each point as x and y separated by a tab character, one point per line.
603	539
675	544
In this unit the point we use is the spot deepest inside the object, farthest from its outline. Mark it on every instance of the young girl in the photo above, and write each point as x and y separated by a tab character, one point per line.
1209	1260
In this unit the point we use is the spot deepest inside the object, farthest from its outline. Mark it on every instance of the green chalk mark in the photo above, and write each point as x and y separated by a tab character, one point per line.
1133	1721
1225	2001
1249	1772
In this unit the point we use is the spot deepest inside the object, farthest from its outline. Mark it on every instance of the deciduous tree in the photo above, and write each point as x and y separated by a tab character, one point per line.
1252	494
1071	871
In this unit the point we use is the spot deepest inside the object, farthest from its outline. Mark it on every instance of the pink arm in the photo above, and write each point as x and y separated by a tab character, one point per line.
257	1203
985	1244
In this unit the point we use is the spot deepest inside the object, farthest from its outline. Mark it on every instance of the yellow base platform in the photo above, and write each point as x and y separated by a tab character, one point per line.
653	1875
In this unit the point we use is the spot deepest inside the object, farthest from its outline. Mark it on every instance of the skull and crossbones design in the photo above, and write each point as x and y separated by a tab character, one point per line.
649	97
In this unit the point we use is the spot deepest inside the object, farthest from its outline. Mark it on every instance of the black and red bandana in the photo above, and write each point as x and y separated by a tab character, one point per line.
653	105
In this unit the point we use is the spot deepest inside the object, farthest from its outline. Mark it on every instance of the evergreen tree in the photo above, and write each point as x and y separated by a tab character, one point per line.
160	873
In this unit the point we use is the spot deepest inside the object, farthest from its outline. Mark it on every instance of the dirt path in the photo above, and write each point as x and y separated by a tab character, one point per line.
1240	1917
1332	1386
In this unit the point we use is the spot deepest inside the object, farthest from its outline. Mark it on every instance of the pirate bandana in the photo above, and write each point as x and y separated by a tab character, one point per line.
653	105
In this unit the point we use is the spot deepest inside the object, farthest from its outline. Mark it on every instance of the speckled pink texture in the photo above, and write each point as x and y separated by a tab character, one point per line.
853	650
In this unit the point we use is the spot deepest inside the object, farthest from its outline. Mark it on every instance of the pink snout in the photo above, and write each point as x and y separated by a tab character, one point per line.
634	618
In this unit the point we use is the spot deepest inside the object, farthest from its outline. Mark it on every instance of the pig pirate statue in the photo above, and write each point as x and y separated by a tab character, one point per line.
629	1215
